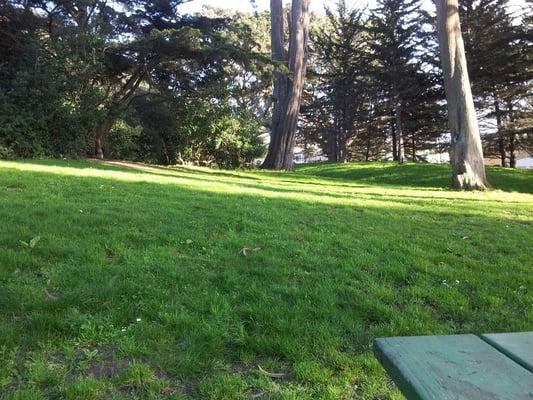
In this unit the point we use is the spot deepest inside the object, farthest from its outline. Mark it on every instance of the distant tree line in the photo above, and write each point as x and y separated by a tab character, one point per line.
375	86
136	80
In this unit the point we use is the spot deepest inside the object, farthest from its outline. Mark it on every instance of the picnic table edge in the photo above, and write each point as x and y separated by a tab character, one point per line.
516	358
405	386
409	384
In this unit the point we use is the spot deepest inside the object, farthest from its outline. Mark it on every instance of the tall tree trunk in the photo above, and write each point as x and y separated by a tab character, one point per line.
399	132
394	141
279	55
501	139
466	153
512	150
287	88
512	138
399	126
99	134
342	151
413	144
332	145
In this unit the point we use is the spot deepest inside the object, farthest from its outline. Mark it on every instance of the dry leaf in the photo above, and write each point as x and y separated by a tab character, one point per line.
271	374
244	251
50	296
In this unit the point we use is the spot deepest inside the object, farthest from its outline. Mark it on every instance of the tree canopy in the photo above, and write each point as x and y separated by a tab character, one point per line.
136	79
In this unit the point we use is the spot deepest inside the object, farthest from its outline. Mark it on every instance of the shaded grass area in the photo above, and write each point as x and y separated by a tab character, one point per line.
138	288
417	175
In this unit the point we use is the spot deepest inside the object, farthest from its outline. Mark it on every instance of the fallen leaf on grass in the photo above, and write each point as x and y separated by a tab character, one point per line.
271	374
32	242
244	251
50	296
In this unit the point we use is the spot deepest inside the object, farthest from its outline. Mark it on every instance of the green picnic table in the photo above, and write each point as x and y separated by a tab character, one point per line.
460	367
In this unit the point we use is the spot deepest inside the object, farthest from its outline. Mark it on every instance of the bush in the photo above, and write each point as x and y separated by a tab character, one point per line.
124	142
6	153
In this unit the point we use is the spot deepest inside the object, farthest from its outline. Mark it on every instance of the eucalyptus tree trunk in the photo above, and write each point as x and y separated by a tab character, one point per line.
466	153
288	87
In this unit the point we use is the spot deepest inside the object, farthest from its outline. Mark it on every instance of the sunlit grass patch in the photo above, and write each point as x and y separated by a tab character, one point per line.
138	286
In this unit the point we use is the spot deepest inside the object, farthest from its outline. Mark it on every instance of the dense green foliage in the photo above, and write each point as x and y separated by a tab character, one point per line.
132	283
133	80
126	280
494	36
136	80
375	88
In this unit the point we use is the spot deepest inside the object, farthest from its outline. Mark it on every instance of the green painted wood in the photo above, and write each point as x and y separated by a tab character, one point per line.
518	346
459	367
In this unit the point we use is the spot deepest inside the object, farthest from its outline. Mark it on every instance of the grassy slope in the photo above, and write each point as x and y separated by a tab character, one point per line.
150	297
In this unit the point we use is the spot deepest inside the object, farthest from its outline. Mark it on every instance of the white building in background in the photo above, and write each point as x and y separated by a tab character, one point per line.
525	162
310	154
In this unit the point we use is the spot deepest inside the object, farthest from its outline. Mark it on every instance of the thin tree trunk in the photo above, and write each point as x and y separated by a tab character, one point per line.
466	153
287	88
399	126
501	139
342	151
100	133
331	147
394	142
512	150
399	133
512	138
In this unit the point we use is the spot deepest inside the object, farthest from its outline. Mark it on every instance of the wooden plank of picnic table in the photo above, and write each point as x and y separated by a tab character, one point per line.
458	367
518	346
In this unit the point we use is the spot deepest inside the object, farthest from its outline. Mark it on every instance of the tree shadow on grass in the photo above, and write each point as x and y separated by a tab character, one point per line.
157	271
408	175
416	175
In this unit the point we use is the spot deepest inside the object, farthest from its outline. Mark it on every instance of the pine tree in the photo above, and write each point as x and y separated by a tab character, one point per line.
498	50
341	84
394	37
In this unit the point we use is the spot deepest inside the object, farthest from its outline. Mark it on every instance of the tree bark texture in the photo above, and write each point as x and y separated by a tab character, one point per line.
288	87
466	153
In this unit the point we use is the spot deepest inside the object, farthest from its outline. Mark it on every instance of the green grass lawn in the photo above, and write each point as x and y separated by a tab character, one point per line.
136	286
